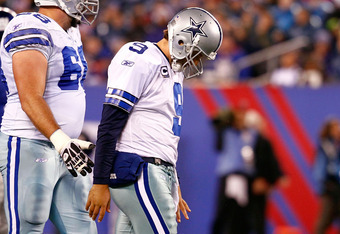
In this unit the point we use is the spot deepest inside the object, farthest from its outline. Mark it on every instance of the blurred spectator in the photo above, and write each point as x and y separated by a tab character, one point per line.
302	24
311	75
139	20
235	168
262	32
326	172
333	68
247	169
98	59
160	14
320	10
289	71
112	24
316	60
223	71
283	14
268	173
253	26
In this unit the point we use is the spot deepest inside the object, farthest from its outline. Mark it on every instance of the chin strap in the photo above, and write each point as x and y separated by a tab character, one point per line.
177	67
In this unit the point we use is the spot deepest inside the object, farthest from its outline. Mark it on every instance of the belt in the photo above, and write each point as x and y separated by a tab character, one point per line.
156	161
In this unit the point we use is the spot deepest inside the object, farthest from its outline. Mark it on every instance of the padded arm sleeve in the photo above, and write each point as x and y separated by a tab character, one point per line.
111	126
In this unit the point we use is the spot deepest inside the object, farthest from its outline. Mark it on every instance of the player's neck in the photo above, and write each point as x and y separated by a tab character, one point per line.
164	46
57	15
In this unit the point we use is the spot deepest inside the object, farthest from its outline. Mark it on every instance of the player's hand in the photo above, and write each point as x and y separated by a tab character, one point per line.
75	159
71	151
98	201
182	207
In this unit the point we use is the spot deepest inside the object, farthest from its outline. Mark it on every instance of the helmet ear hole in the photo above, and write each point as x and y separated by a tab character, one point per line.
180	42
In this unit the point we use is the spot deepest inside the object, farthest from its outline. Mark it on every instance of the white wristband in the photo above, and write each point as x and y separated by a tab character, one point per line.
59	139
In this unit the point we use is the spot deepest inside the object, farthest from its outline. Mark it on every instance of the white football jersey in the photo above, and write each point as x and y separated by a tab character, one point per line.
65	76
142	83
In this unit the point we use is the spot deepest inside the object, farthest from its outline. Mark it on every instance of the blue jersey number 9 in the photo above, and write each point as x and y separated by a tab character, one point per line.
178	95
140	48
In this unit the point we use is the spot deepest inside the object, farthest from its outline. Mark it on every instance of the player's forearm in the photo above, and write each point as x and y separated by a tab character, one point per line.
29	70
111	126
40	114
104	160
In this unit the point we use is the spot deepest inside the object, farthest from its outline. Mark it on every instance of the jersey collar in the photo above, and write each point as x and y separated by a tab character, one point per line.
162	52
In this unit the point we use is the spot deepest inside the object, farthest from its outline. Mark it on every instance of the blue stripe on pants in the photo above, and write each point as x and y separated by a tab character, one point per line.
13	160
162	228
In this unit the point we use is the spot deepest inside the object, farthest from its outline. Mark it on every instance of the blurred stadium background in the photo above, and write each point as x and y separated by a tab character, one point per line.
279	57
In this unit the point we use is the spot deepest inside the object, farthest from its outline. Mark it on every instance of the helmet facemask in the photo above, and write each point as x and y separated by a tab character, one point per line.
191	65
87	11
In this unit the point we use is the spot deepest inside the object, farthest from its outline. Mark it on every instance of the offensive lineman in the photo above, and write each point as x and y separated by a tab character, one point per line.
141	122
44	67
6	15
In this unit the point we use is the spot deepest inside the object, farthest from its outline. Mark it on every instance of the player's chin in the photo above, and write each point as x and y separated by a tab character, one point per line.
75	22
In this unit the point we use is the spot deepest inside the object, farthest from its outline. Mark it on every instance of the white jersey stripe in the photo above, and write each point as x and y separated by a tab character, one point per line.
26	37
120	98
179	98
146	200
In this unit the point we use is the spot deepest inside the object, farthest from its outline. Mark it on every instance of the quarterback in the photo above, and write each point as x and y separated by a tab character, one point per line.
140	128
42	163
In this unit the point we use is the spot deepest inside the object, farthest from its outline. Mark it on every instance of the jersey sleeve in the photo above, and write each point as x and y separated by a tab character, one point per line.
129	73
28	32
111	126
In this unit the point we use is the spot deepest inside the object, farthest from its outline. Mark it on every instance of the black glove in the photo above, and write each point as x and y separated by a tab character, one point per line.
76	160
71	151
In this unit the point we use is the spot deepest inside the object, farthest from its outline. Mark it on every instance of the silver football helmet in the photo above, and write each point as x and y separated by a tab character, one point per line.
194	34
85	11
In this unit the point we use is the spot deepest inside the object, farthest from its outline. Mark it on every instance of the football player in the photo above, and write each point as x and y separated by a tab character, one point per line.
6	15
42	164
140	128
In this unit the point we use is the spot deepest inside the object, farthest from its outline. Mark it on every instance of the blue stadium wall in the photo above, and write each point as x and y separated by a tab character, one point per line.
294	117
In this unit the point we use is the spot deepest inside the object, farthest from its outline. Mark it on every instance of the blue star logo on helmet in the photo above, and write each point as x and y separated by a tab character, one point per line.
195	29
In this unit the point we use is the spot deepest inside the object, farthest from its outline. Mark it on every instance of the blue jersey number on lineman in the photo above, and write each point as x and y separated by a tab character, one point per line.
43	18
72	70
140	48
